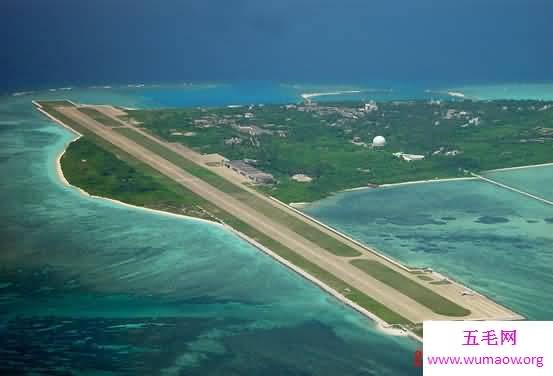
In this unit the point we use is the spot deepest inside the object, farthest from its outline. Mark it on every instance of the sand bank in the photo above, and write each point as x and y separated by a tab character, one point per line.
299	205
456	94
307	96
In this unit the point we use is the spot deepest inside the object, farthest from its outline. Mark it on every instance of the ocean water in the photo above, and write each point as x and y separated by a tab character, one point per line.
90	287
494	240
286	40
534	91
268	92
233	93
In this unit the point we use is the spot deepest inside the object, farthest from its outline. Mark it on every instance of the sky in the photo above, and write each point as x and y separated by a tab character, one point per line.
347	41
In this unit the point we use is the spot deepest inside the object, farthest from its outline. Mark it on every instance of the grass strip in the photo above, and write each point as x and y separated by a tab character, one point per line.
424	278
442	282
306	230
329	279
100	117
410	288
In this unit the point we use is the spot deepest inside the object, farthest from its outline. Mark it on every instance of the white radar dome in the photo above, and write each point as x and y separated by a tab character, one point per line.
379	141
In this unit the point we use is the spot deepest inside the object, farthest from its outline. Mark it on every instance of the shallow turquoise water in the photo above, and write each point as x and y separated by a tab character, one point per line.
91	287
535	91
236	93
494	240
536	180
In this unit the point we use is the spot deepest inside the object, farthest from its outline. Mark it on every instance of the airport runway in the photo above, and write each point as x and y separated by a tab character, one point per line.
480	306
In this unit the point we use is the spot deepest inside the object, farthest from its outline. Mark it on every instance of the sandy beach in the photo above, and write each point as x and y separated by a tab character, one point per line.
307	96
409	183
63	179
456	94
299	205
435	180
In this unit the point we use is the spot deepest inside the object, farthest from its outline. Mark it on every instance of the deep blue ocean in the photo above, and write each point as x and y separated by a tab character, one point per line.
81	43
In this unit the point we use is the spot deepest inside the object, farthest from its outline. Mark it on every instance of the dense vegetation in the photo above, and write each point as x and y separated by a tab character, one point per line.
99	172
317	140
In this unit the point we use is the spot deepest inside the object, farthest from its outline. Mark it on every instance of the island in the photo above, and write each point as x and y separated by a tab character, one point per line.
240	167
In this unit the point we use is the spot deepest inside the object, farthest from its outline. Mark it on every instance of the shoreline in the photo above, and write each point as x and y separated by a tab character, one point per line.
308	96
518	167
299	205
390	185
380	324
456	94
304	204
65	182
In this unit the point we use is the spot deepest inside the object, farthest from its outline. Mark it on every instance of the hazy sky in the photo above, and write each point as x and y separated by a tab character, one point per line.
72	41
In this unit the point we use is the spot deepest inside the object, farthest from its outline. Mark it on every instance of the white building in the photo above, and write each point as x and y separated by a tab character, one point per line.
409	157
302	178
370	107
412	157
452	153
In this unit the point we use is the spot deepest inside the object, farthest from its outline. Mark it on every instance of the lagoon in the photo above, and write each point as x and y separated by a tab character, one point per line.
494	240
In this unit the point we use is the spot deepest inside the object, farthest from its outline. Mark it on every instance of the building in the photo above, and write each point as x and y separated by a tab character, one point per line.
252	130
452	153
412	157
370	107
302	178
409	157
252	173
233	141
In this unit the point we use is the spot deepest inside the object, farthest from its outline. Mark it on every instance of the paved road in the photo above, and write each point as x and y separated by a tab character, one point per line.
481	307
